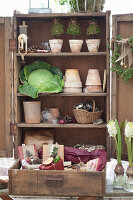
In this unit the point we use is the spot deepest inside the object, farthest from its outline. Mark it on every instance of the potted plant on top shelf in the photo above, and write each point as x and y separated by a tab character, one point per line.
57	30
74	30
84	5
93	30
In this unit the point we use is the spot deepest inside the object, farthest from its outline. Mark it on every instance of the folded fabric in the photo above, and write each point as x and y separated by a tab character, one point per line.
80	155
92	165
54	166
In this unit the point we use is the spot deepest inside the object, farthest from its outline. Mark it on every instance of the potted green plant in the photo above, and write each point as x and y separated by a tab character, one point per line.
74	30
93	30
57	30
84	5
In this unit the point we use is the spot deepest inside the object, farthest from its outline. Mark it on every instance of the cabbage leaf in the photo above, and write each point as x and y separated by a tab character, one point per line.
28	90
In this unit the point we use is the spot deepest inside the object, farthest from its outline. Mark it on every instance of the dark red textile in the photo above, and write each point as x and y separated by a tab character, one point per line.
40	153
76	155
54	166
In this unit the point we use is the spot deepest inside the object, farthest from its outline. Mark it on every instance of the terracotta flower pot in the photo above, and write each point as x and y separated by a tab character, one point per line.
93	45
56	45
72	90
32	111
54	114
93	81
75	45
72	78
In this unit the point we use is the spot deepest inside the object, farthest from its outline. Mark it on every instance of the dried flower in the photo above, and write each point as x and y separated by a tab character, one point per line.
111	126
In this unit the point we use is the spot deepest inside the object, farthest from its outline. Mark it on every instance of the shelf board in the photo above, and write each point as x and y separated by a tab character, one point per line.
64	54
42	125
68	94
61	15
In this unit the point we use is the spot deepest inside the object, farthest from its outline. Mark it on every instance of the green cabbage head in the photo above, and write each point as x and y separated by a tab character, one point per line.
40	80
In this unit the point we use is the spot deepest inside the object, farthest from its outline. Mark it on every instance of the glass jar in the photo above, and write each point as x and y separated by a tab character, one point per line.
119	179
128	186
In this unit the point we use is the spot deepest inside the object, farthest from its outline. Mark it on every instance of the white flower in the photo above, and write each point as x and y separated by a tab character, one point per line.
111	126
129	130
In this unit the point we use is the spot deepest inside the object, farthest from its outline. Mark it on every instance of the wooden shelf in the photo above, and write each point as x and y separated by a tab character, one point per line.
63	54
69	94
42	125
61	15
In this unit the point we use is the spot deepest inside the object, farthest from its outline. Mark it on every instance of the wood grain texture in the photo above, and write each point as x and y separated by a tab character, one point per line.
29	182
5	197
23	182
108	80
122	96
8	88
2	88
5	84
61	15
74	183
63	54
68	94
43	125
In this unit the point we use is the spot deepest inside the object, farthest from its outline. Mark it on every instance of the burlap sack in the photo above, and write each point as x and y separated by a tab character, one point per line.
39	137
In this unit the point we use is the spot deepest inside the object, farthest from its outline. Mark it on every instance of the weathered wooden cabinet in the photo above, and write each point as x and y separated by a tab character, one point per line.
122	95
63	183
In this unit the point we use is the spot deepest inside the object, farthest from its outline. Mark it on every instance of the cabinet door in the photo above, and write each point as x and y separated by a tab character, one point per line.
122	92
5	88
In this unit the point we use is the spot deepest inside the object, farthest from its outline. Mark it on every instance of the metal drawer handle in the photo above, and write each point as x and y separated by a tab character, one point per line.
54	181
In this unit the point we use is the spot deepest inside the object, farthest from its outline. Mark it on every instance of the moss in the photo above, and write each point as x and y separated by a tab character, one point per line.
57	28
73	29
93	28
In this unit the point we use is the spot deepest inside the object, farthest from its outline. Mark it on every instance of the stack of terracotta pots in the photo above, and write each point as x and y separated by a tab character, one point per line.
93	81
72	82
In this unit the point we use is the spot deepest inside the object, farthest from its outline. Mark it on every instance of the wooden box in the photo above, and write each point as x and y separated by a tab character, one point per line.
61	183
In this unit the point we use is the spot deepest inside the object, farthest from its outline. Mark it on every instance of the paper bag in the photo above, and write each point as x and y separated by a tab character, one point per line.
46	152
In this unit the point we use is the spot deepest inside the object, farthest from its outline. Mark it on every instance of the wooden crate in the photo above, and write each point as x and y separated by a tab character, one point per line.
58	183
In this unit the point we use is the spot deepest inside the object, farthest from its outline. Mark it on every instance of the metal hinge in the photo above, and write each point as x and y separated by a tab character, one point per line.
12	44
13	129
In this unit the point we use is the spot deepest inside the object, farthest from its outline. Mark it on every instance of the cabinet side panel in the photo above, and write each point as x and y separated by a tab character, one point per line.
2	91
123	91
5	88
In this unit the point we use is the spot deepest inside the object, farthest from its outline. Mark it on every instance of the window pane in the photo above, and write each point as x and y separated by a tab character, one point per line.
38	3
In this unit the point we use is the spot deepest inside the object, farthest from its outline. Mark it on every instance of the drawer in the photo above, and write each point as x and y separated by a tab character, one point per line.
53	183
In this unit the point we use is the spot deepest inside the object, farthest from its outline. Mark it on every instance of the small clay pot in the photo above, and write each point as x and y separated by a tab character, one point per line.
54	113
93	88
93	45
72	89
75	45
56	45
32	111
119	170
72	79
